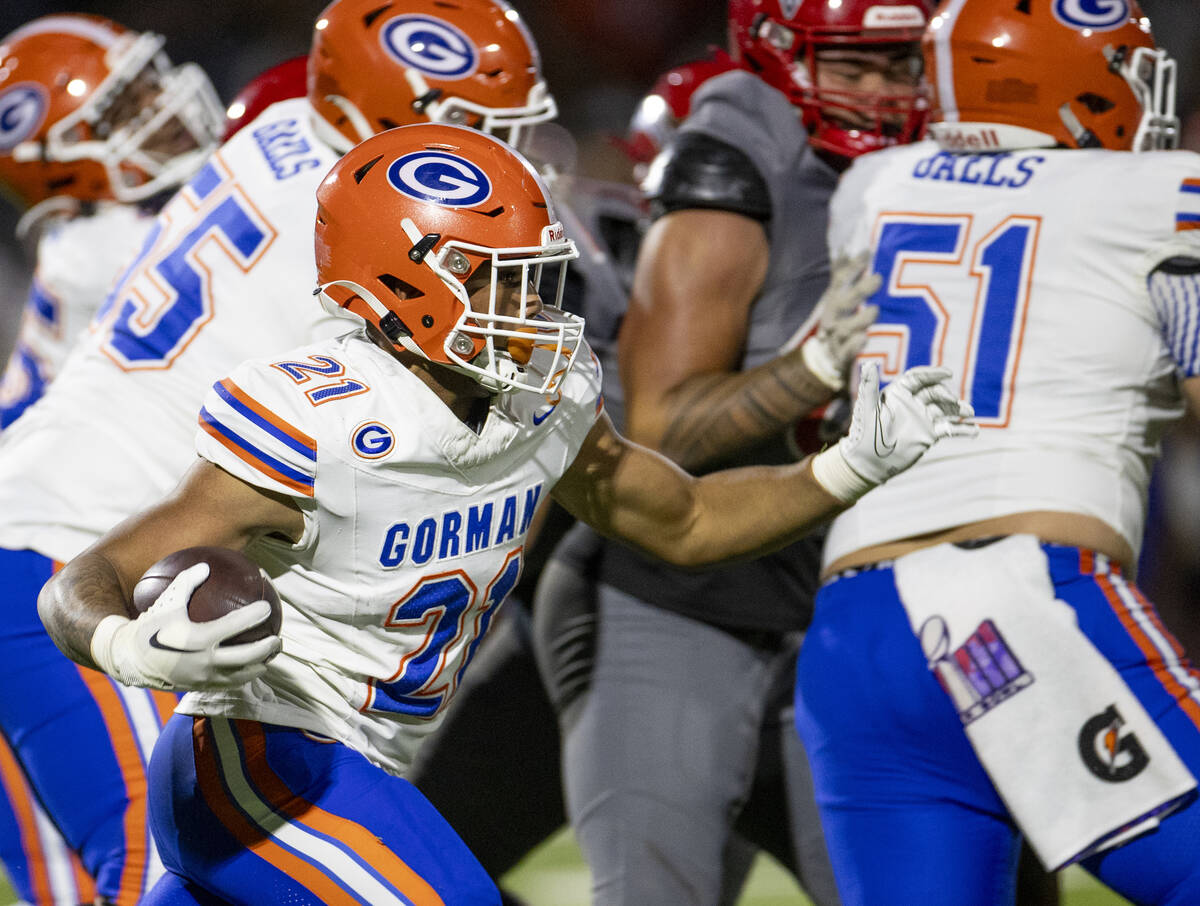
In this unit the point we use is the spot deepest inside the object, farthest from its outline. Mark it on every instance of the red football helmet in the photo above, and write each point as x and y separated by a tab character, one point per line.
91	110
281	82
660	112
1050	72
415	222
782	40
376	64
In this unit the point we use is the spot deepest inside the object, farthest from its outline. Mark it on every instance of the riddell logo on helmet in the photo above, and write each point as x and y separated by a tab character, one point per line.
894	17
974	140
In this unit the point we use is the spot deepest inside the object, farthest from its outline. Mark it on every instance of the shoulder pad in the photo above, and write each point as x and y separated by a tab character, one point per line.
699	171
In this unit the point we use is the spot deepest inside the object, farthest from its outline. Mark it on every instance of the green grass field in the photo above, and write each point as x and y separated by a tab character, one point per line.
554	875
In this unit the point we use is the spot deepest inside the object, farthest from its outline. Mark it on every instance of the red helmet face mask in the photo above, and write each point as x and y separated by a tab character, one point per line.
92	111
438	235
853	67
1054	72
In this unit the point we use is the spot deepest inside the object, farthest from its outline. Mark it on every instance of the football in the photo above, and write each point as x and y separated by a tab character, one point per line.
234	580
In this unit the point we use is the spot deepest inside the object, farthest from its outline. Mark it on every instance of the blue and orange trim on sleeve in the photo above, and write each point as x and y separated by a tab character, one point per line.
259	417
1187	217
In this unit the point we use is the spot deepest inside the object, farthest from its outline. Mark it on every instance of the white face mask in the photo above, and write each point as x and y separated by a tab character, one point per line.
184	105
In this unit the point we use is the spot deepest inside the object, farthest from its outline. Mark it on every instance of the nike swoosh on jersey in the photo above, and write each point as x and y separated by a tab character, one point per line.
538	419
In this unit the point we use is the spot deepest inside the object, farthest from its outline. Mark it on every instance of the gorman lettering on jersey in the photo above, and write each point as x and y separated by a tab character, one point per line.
456	533
1001	170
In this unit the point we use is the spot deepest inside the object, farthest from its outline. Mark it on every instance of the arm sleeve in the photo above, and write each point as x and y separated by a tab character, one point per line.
1174	288
699	171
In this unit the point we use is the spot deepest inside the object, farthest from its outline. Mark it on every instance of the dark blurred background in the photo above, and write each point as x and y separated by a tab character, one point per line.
599	57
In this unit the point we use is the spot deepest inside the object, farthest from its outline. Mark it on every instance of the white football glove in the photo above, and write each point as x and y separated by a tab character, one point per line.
164	649
890	431
844	319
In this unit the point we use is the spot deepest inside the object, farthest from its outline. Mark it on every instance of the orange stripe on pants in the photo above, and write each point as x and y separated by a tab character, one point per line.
19	797
208	772
365	844
129	762
1153	656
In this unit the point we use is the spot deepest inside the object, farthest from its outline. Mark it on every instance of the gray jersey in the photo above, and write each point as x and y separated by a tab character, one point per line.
741	112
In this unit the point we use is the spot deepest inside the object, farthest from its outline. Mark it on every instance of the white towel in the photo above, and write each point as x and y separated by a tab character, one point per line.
1038	702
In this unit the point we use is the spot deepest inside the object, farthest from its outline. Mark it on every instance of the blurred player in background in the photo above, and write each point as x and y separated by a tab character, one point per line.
97	128
387	479
280	82
215	281
681	689
981	664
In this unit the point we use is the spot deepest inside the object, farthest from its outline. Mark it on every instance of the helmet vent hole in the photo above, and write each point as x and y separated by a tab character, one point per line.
494	212
398	287
1023	7
1095	103
387	123
362	171
374	14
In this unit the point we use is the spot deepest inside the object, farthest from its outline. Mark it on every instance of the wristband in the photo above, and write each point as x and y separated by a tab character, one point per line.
820	363
102	642
835	475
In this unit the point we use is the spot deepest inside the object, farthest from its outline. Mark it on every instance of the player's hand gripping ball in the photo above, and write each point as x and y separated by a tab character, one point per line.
234	580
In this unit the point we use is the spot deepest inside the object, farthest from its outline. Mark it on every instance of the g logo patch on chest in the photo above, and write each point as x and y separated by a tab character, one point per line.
372	440
1098	15
440	177
22	109
430	45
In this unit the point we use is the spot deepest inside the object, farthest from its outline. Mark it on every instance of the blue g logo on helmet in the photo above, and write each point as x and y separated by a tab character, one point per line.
373	440
430	45
1098	15
22	109
440	177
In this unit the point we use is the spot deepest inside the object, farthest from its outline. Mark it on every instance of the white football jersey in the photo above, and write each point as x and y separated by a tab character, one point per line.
1026	273
78	261
226	273
414	531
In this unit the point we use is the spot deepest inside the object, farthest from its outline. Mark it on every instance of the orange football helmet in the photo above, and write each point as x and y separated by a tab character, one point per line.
91	110
376	64
412	218
1048	72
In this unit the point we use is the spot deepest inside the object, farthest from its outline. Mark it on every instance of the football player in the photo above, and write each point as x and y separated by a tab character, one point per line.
981	664
687	687
386	479
96	129
215	280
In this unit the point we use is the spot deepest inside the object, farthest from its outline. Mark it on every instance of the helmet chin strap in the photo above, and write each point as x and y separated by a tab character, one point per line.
332	306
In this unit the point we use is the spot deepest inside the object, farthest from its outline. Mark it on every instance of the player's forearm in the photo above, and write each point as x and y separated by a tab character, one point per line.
711	417
744	513
76	599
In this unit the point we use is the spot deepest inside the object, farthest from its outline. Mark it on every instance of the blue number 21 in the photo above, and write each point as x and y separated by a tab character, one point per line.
914	314
165	296
453	616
